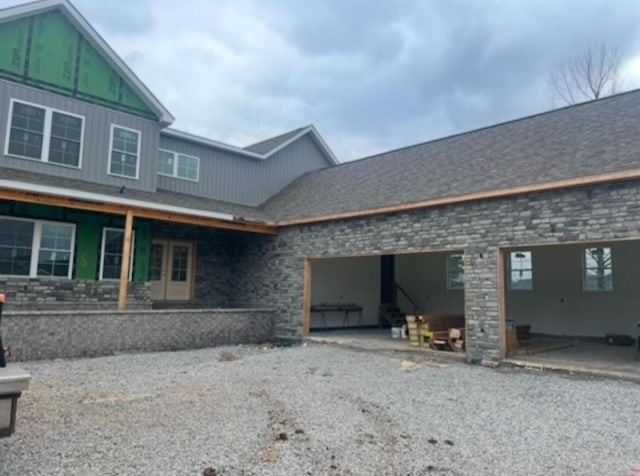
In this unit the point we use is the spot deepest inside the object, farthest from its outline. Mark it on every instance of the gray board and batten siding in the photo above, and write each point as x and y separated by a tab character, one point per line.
94	162
238	178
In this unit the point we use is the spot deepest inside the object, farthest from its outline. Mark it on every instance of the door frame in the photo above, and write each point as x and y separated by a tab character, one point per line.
166	260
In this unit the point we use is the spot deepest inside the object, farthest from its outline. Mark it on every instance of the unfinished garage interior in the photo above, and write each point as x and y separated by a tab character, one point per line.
367	296
573	303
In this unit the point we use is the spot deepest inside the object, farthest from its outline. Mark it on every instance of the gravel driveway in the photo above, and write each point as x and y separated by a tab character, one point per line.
316	410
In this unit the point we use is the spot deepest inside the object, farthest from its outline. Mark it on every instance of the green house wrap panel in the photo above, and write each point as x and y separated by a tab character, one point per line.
54	48
13	38
142	251
97	78
53	54
88	236
132	100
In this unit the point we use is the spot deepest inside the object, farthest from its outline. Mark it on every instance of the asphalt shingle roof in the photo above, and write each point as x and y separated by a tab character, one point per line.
268	145
163	197
592	138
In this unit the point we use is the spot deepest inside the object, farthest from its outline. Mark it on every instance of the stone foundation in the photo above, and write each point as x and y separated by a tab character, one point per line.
44	294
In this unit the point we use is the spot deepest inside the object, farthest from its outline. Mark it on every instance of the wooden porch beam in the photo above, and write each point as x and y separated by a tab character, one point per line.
28	197
126	262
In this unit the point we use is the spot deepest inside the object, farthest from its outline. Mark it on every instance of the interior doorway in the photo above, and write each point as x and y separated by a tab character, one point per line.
171	270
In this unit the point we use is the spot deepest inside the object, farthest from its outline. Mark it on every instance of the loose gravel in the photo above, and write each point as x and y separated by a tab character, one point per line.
316	410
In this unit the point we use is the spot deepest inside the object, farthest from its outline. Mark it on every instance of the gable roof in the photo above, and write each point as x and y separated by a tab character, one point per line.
267	145
594	142
97	42
261	150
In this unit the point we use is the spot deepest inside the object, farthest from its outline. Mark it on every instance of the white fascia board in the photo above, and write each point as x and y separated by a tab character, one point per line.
76	18
209	143
240	151
98	197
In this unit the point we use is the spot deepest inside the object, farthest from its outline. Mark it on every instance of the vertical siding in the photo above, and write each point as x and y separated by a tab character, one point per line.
95	145
239	179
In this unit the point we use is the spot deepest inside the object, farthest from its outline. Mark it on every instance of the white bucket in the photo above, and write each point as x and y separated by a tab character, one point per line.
395	332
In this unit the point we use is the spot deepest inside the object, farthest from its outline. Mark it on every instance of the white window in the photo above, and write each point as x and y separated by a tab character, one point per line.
45	134
178	165
520	270
111	253
455	271
124	154
598	269
36	248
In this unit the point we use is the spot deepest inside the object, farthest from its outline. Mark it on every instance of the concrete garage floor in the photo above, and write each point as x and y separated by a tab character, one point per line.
372	339
586	358
589	358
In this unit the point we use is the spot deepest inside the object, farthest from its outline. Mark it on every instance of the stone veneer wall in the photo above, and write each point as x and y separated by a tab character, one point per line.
57	334
56	293
271	270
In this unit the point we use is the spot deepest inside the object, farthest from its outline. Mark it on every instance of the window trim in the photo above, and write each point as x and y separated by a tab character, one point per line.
36	245
175	165
102	244
112	127
46	134
510	270
447	277
584	270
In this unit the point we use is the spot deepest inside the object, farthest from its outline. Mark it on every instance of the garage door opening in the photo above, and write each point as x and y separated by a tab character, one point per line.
369	297
577	303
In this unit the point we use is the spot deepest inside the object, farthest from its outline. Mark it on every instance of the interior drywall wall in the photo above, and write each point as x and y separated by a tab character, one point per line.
558	305
424	277
346	280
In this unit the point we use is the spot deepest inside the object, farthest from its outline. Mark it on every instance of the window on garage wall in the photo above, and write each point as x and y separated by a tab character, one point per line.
598	269
520	270
455	271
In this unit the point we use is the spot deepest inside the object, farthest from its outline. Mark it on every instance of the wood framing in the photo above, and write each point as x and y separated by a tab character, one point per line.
502	304
126	260
28	197
486	195
306	306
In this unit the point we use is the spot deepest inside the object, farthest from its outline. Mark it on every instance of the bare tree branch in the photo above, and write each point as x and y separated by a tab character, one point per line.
591	75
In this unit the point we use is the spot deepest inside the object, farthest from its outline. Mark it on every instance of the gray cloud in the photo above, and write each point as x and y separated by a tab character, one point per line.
370	75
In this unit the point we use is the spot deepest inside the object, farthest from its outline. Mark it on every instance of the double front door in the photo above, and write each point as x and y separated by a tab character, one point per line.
171	270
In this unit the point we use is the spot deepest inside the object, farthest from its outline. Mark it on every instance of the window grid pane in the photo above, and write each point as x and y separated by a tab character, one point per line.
112	255
165	163
455	272
124	152
598	269
180	263
66	134
16	241
27	131
521	276
187	167
54	258
155	268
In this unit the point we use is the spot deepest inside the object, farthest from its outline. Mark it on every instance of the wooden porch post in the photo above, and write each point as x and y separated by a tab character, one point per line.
126	259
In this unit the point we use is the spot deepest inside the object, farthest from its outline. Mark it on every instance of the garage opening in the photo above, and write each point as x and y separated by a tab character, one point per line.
368	298
575	304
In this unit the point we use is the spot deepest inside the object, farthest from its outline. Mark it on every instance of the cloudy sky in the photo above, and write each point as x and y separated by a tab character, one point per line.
370	75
